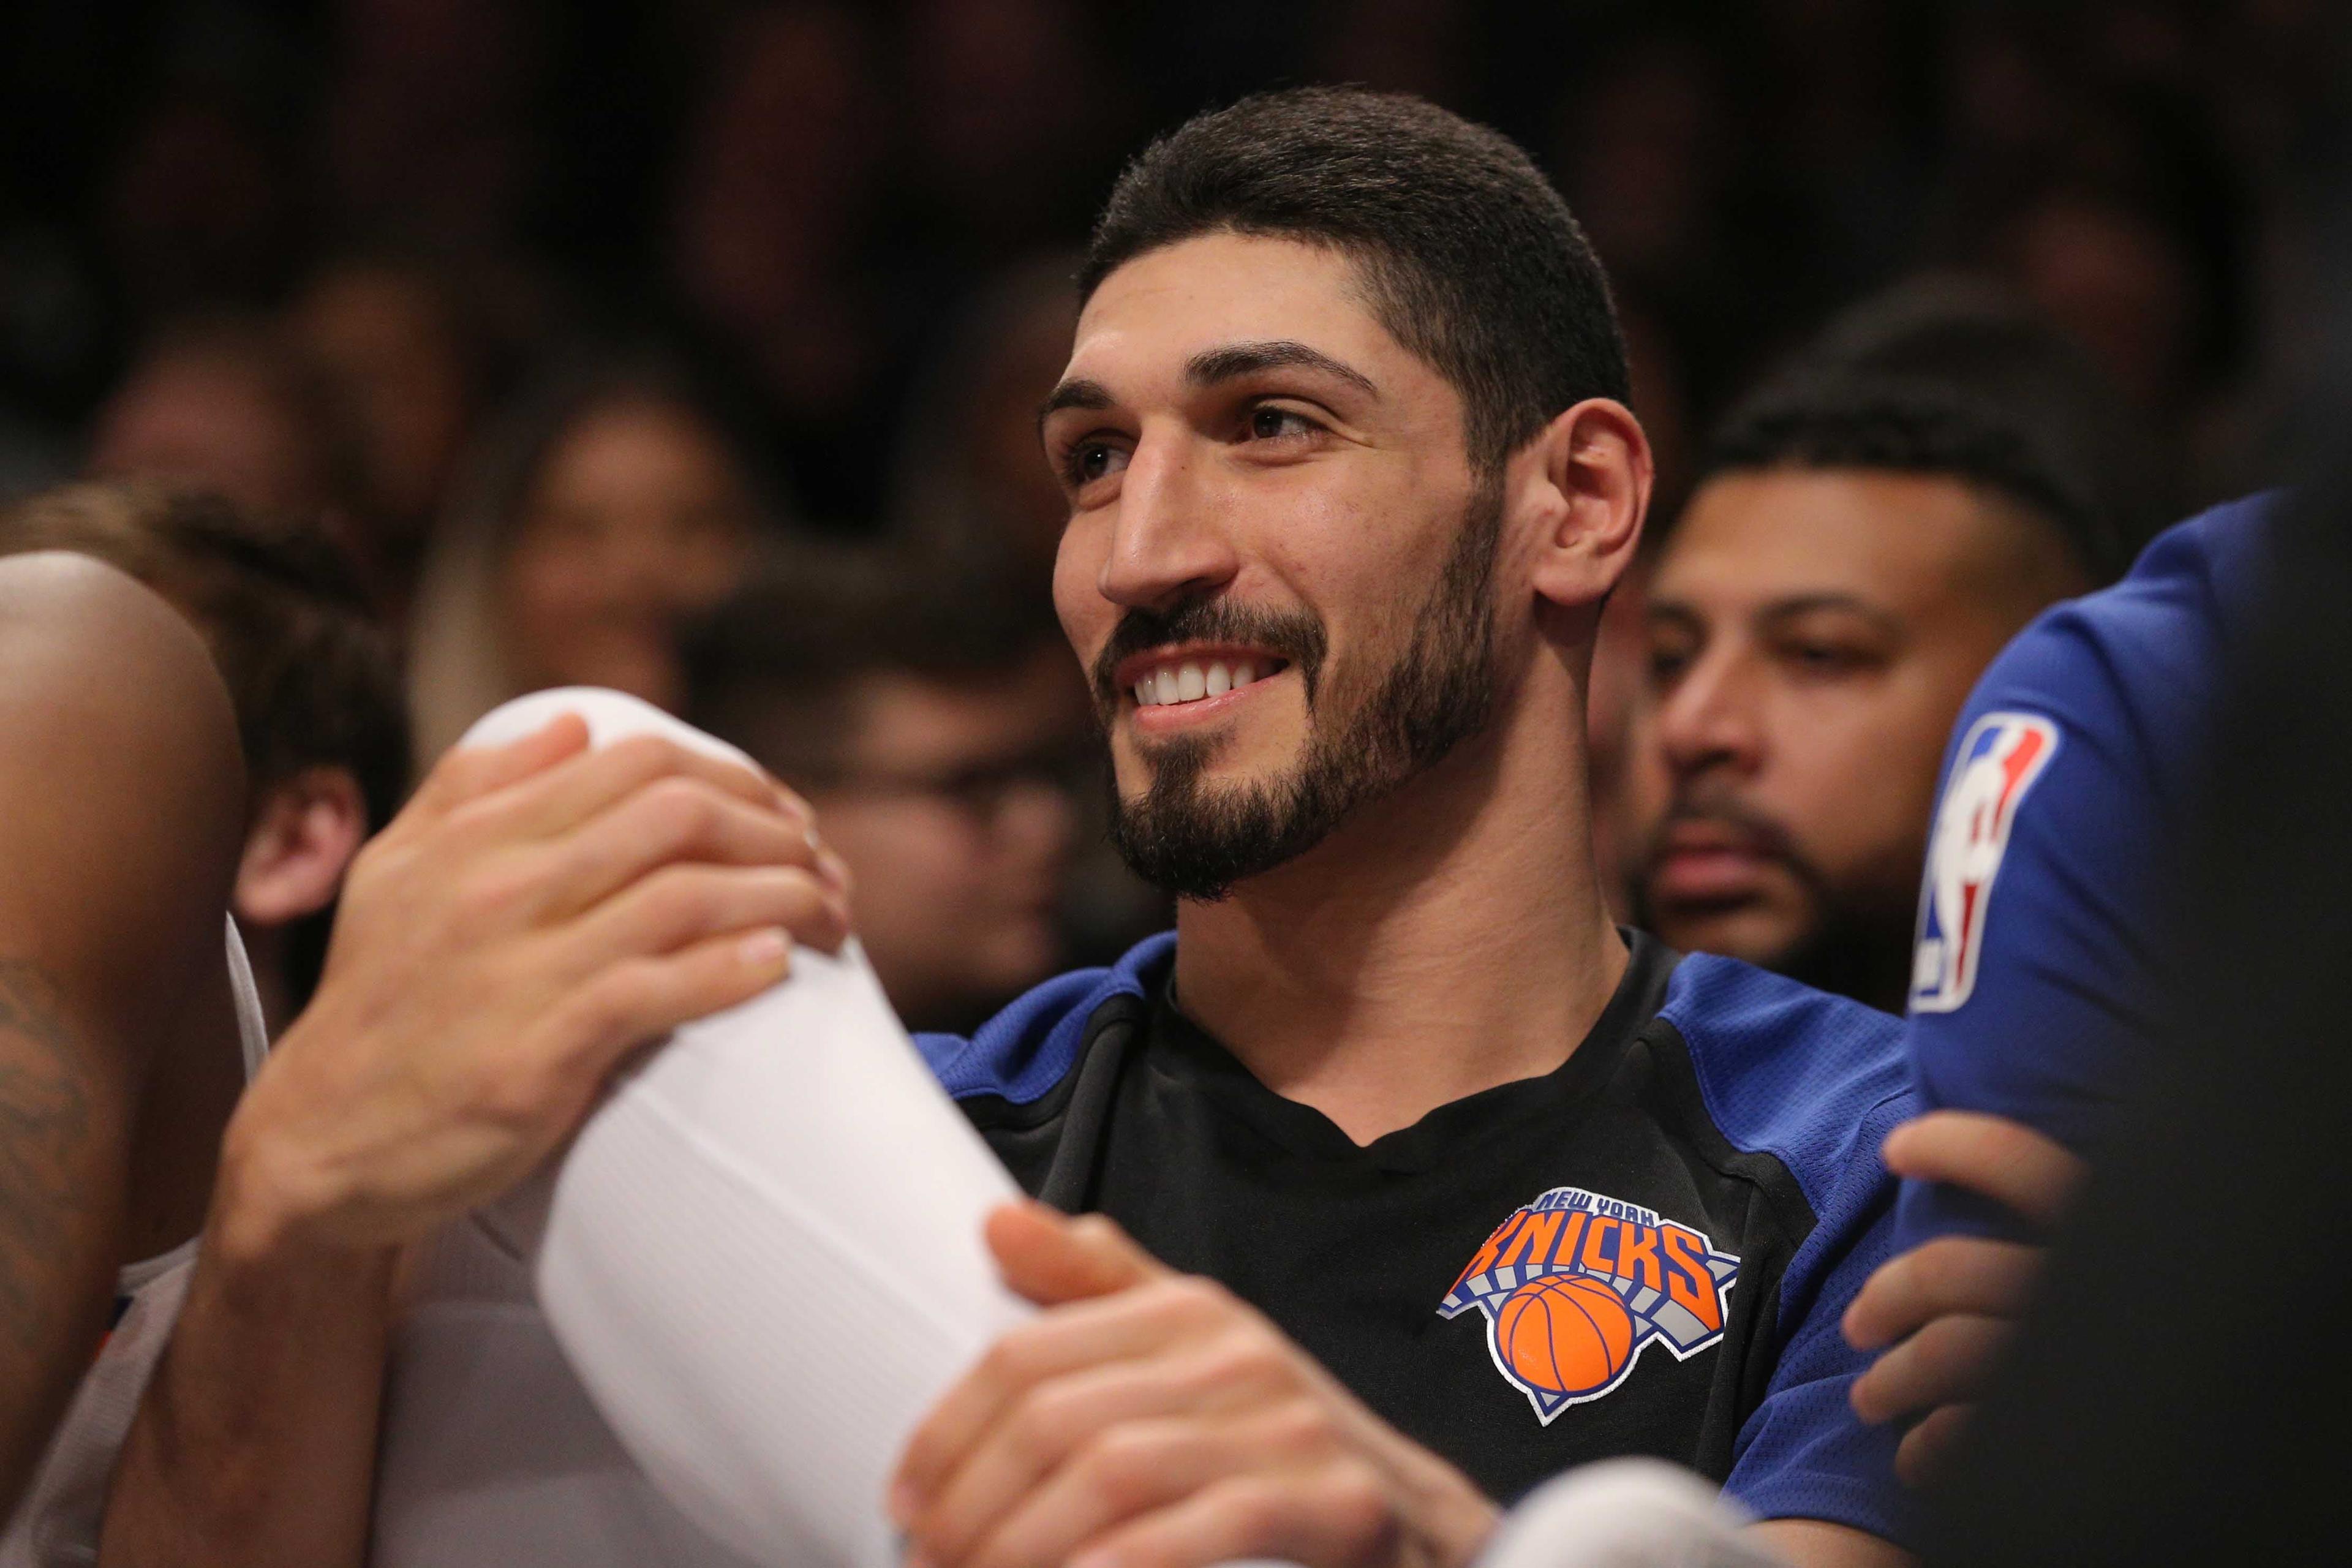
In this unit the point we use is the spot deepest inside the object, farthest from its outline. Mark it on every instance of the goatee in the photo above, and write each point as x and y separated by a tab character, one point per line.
1197	840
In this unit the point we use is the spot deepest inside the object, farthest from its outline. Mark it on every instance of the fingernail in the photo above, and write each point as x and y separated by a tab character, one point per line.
764	949
832	868
816	845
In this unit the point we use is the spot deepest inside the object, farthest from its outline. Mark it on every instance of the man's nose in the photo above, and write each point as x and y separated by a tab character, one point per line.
1169	538
1712	717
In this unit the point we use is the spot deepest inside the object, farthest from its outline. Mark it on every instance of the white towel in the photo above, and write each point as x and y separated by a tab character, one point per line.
762	1255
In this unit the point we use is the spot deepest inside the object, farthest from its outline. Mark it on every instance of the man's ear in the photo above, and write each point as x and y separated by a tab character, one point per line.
301	841
1591	489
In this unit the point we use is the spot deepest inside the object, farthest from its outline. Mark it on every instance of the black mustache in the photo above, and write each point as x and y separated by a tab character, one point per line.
1296	636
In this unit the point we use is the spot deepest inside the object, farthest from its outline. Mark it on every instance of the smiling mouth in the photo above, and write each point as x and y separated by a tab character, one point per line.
1176	681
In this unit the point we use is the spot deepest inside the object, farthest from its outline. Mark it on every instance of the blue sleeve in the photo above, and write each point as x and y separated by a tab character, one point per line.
1815	1082
1803	1453
2040	972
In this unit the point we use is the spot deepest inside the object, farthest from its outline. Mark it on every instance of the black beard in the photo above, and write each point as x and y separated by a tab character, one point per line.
1196	842
1858	941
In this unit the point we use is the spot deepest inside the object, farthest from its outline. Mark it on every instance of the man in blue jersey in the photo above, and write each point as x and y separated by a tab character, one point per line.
2045	969
1428	1182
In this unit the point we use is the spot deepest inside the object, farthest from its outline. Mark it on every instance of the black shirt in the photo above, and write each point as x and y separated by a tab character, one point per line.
1564	1268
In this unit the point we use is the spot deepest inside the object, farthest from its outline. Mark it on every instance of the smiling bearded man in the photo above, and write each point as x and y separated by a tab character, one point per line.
1350	478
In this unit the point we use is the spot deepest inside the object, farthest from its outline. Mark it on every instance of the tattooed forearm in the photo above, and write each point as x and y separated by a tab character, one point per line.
45	1132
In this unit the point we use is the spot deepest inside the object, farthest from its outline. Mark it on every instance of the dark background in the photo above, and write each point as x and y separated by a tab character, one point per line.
819	187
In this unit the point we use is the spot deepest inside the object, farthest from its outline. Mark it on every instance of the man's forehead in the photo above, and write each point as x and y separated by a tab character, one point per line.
1762	535
1153	315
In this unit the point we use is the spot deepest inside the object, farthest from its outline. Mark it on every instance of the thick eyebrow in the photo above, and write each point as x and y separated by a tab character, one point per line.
1073	395
1211	367
1780	610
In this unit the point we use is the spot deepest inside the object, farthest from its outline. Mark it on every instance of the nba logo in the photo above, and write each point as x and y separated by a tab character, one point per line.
1997	763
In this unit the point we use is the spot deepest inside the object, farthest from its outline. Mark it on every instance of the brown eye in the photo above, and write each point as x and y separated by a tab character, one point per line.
1091	461
1274	423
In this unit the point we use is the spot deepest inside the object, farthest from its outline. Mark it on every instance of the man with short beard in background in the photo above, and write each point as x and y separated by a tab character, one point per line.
1858	546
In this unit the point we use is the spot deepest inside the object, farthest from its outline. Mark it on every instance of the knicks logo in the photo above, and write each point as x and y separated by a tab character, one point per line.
1998	761
1575	1286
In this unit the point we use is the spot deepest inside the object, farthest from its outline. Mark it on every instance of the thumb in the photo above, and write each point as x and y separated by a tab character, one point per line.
1050	1257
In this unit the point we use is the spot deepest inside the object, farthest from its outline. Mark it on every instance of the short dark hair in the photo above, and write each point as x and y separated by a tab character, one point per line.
1845	417
1472	259
782	657
308	666
1954	376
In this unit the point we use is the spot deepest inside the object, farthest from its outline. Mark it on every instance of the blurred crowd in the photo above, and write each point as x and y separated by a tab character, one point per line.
692	348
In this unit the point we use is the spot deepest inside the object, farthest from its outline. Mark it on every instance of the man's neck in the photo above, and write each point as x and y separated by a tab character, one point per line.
1443	940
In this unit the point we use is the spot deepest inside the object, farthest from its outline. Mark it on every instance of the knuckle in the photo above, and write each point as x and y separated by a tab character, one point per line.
683	811
493	894
1015	1358
1357	1502
1120	1467
514	1094
1195	1297
1257	1506
1300	1427
1238	1361
1041	1426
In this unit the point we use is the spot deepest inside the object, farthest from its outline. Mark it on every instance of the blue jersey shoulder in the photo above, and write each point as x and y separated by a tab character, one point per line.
1786	1069
1023	1052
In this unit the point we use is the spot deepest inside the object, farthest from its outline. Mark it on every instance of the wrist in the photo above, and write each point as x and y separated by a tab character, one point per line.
267	1209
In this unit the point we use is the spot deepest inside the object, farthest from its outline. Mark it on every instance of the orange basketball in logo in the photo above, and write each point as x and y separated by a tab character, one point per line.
1565	1333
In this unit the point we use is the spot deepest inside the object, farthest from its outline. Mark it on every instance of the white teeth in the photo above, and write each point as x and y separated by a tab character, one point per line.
1191	682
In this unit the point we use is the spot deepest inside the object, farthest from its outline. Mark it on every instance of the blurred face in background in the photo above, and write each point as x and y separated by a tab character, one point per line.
1812	634
388	342
638	518
219	416
951	805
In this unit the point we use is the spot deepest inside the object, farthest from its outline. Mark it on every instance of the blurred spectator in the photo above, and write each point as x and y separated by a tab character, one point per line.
936	723
226	403
1006	104
318	699
773	203
431	125
389	336
2121	283
201	204
1858	546
969	474
613	499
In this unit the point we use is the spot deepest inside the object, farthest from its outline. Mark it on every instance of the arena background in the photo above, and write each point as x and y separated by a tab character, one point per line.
883	169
